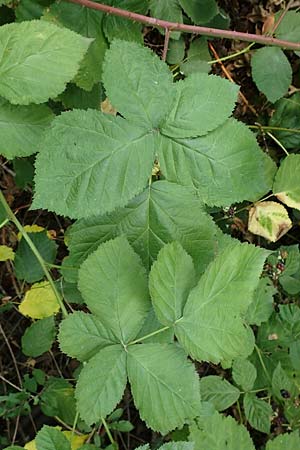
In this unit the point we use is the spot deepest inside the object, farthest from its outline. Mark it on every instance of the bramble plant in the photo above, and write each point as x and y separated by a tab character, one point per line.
161	289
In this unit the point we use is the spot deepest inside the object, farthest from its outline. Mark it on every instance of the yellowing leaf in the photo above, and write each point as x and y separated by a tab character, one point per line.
286	197
76	442
6	253
39	302
34	229
269	220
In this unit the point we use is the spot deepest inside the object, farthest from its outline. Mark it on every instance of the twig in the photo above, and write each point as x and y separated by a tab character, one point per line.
173	26
166	44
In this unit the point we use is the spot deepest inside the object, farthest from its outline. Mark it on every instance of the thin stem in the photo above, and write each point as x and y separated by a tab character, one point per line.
267	127
2	224
147	336
108	431
233	55
166	44
278	143
173	26
262	363
34	250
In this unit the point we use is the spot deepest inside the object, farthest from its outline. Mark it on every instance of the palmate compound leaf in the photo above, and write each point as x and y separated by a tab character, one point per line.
101	384
149	221
219	433
211	327
90	163
47	58
22	127
90	336
226	165
171	278
113	284
286	184
164	385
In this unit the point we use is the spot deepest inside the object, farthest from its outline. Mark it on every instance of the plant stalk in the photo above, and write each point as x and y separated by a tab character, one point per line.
173	26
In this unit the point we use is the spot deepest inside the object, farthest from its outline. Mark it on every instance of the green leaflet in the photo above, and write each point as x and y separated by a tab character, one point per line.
149	221
101	384
219	433
21	128
261	306
202	104
200	11
211	328
86	161
289	27
38	47
271	72
90	335
87	22
287	115
113	283
257	412
49	438
218	391
226	165
244	373
286	441
171	278
58	399
138	83
286	185
38	337
164	385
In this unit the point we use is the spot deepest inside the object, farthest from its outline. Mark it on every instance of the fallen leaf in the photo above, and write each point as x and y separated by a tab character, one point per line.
107	108
269	220
6	253
39	301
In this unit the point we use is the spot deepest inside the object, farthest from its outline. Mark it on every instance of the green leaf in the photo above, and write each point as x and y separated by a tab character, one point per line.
289	27
115	27
257	412
244	373
171	278
24	170
82	335
286	185
177	446
218	391
27	267
203	102
21	128
30	9
39	47
113	283
75	97
167	10
57	399
151	220
219	433
152	324
212	328
176	51
50	438
261	306
138	83
39	337
288	441
295	354
87	22
85	164
101	384
281	381
197	57
287	115
271	72
200	11
226	165
164	385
